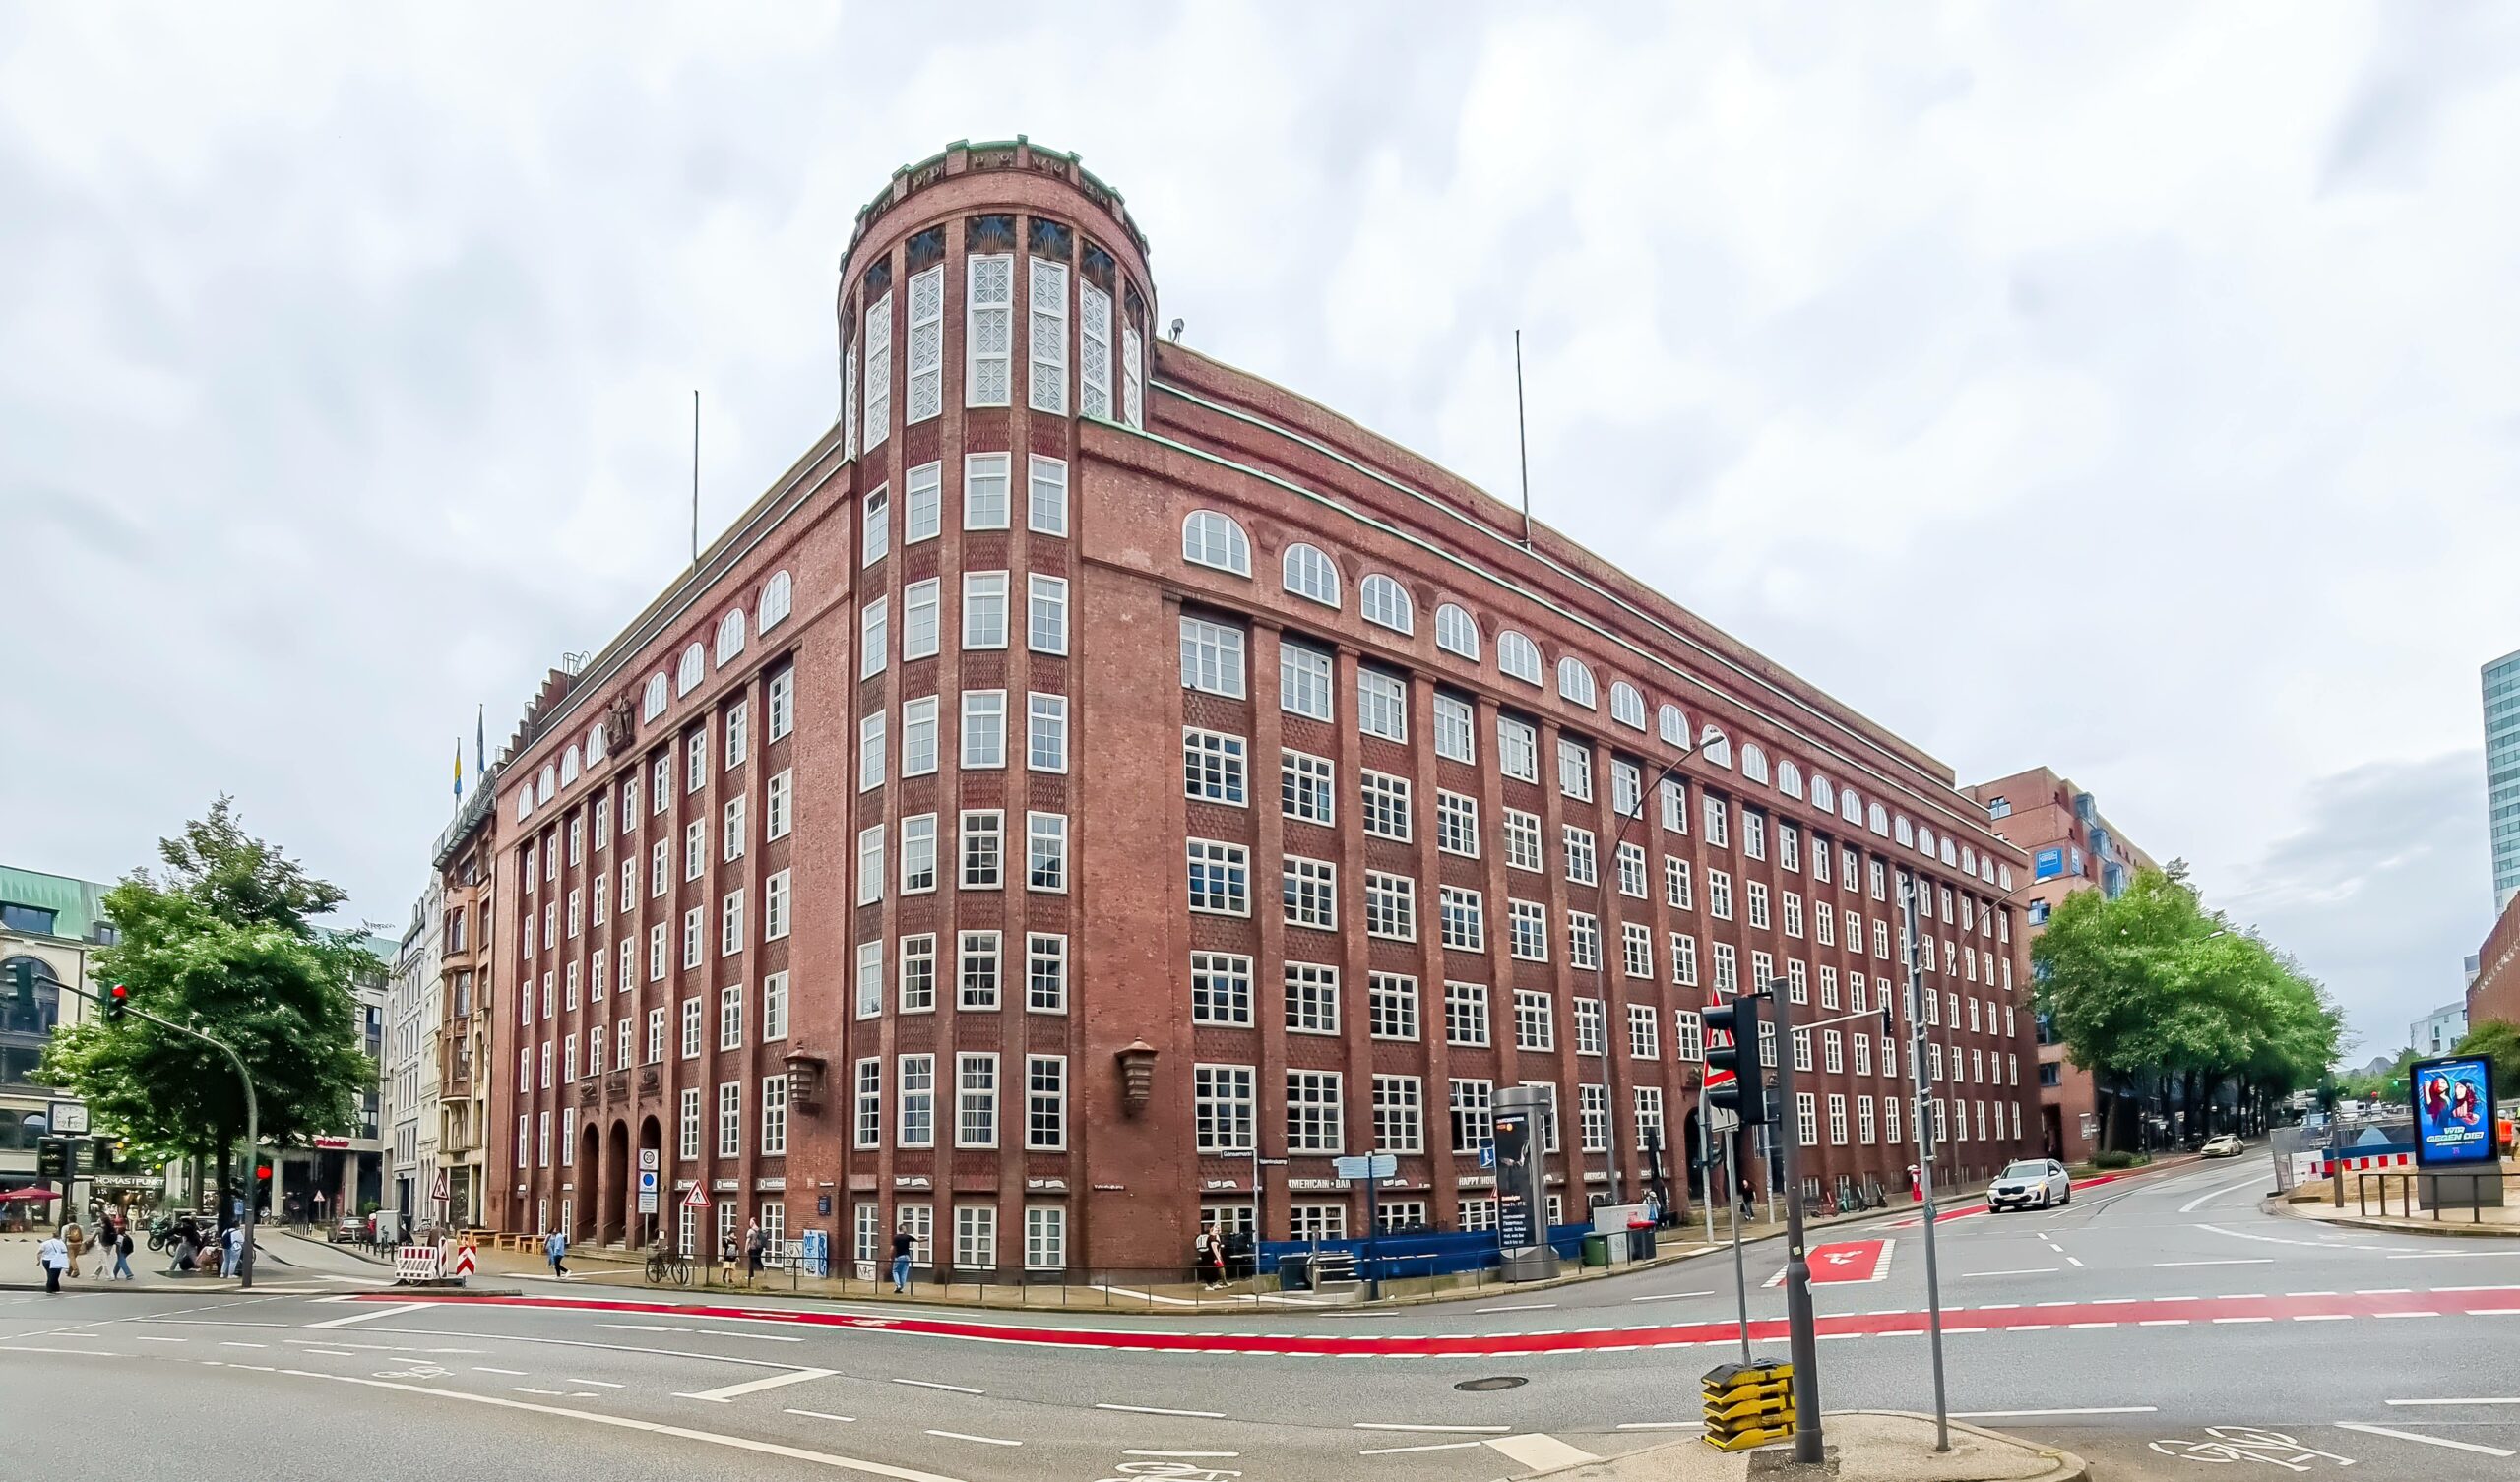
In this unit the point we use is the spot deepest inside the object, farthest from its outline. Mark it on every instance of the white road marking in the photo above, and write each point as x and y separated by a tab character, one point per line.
2418	1436
1187	1456
370	1316
766	1338
2232	1261
145	1338
2190	1207
2325	1317
2162	1322
754	1385
1402	1450
601	1384
2494	1312
2450	1255
1518	1307
982	1440
1453	1430
233	1344
2070	1261
2027	1270
2494	1401
1671	1296
2089	1410
2250	1320
1152	1410
929	1383
643	1327
333	1352
1540	1453
1664	1425
510	1373
650	1427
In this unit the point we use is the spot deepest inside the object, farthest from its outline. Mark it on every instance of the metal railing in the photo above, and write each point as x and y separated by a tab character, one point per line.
2362	1182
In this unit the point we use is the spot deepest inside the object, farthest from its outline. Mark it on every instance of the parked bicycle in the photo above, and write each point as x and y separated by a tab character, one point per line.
666	1264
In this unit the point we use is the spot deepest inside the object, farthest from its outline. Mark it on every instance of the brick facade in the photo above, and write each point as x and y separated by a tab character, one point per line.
1071	963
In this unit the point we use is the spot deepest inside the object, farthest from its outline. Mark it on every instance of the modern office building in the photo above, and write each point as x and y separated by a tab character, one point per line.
52	922
2073	848
1093	776
2436	1032
2501	684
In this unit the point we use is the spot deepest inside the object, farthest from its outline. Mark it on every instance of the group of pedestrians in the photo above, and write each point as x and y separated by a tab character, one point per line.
110	1246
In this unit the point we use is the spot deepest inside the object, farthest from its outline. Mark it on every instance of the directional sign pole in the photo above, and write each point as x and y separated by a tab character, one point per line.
1373	1223
1741	1274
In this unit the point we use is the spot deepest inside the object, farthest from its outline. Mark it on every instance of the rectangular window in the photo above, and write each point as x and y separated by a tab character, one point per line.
694	944
975	1101
1211	657
781	708
984	609
1530	930
1391	906
1534	1020
871	979
1045	851
1391	1006
1631	871
774	1116
1627	788
1220	988
1045	972
1045	1238
978	970
1837	1119
1517	749
1304	788
984	728
774	1005
687	1126
1522	839
1214	766
1223	1107
918	973
1465	918
876	530
1718	894
1583	940
1316	1115
1636	950
918	854
874	638
1312	998
734	835
1220	877
1045	1102
1754	833
918	1115
1094	363
1575	770
1457	823
1474	1115
1386	806
1046	628
1593	1116
878	340
1592	1028
690	1029
1581	868
1400	1114
1688	1035
1304	681
730	1017
989	329
1455	734
1728	975
1465	1013
919	603
1382	706
730	1119
983	849
1046	501
1310	890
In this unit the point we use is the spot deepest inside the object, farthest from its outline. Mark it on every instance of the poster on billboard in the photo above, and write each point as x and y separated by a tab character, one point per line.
2453	1110
1515	1229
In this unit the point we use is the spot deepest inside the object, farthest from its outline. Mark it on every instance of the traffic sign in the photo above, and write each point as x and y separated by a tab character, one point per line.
437	1185
697	1199
1378	1165
647	1181
1486	1155
648	1158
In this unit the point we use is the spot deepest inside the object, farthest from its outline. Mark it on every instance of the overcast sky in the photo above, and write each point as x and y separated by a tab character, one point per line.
2127	389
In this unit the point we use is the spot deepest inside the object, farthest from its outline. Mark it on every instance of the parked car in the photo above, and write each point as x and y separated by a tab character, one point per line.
2222	1145
350	1229
2031	1184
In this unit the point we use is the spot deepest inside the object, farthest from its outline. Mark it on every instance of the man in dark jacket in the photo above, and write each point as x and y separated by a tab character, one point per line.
903	1245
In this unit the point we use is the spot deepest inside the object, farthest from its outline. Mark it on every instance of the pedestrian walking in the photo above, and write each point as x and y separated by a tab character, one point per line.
231	1253
122	1255
727	1259
73	1238
54	1257
1208	1248
556	1247
753	1251
903	1245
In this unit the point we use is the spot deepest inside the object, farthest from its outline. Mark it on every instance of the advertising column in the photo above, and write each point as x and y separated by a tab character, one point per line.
1522	1224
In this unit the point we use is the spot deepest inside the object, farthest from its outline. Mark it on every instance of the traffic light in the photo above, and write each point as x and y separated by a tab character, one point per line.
22	984
116	1003
1745	1095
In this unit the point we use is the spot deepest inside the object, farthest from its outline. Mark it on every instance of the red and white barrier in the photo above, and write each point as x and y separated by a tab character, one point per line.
2380	1162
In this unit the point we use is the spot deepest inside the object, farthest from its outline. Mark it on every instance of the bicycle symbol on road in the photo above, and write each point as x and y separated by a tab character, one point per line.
1172	1471
417	1371
2241	1442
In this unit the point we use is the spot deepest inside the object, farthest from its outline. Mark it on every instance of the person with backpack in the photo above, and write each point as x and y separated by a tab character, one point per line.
123	1254
727	1259
555	1248
1207	1247
753	1251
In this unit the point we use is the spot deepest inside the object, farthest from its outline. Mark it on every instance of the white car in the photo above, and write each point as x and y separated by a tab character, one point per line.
2031	1184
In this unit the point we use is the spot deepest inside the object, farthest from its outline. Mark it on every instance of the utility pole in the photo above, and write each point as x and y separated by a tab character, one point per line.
1924	1157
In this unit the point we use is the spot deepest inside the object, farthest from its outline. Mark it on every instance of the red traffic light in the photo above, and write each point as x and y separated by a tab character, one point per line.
264	1172
118	1003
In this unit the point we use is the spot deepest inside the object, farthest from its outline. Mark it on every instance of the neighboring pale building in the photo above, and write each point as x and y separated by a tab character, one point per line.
2502	773
2437	1032
410	1081
462	865
54	922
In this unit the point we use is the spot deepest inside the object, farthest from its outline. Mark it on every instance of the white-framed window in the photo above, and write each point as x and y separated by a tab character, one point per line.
1582	867
1220	988
1046	309
918	973
926	380
915	1119
1316	1112
1522	841
1223	1107
774	1005
1045	1233
920	629
1045	1102
1385	602
1220	877
1575	682
1534	1020
1045	629
870	865
1382	705
730	635
1046	495
1465	1013
1310	888
1312	998
987	503
1309	573
1575	770
1474	1104
730	1119
1303	680
874	638
918	854
1464	917
687	676
730	1017
1046	732
1583	940
1636	950
1391	906
876	530
1457	823
1529	919
1455	729
687	1126
1592	1032
924	503
1210	539
1215	766
1044	972
1517	749
984	609
1212	658
983	729
975	1101
1094	369
1593	1116
1457	631
878	340
1400	1114
988	335
778	805
1045	851
1386	805
1304	788
1518	656
1391	1006
980	967
774	1116
652	704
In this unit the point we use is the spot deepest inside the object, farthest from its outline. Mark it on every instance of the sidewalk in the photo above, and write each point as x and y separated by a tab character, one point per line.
2404	1218
1878	1445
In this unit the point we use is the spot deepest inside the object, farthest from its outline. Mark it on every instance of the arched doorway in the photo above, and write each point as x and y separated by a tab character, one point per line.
620	1184
1691	1155
647	1227
585	1212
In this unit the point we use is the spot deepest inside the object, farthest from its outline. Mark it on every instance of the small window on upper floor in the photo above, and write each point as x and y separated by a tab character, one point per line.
695	664
1457	631
731	634
1967	858
542	788
1209	539
1754	762
1878	821
1788	780
598	743
524	802
1518	656
1823	795
568	766
652	704
1385	603
1711	745
1674	726
1310	573
1575	682
1999	808
1627	706
1851	807
777	598
1902	831
2003	877
1947	855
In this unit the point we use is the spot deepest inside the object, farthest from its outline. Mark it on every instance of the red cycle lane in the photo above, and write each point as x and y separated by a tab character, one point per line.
2501	1301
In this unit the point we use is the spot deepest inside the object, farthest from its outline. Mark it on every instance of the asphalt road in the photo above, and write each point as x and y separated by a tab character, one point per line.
2155	1325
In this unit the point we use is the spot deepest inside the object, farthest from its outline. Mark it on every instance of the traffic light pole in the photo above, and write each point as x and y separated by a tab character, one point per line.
1924	1161
1805	1340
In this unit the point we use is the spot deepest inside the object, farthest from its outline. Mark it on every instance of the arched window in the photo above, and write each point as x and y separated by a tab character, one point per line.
1754	762
731	634
1711	745
1946	855
1518	656
569	765
1575	682
1674	726
1209	539
1627	706
1899	830
2003	877
543	786
37	1018
1851	807
1924	839
524	802
1824	793
597	744
1457	631
777	598
1969	859
653	702
694	664
1789	778
1878	821
1309	573
1385	601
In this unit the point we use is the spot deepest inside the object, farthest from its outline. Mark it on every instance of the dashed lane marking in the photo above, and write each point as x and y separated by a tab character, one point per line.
2227	1260
2490	1401
982	1440
1154	1411
370	1315
2026	1415
826	1415
1443	1430
1669	1296
510	1373
1403	1450
1185	1456
929	1383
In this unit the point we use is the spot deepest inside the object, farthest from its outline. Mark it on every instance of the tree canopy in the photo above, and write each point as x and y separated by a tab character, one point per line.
225	940
2498	1040
2152	985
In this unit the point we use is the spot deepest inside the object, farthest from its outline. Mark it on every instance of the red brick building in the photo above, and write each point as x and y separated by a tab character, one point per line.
2494	991
2071	847
1089	754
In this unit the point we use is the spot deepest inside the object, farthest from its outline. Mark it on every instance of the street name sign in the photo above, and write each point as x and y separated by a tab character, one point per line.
1378	1165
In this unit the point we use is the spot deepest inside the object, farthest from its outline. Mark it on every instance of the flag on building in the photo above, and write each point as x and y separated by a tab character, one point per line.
458	768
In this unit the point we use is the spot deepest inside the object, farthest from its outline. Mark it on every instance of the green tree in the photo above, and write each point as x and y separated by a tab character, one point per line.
2151	991
2498	1040
225	940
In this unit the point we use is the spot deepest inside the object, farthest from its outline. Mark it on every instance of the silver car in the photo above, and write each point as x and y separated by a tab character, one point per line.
2031	1184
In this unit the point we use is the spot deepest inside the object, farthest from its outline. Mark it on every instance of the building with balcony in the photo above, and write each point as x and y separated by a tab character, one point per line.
2073	848
52	922
909	863
462	864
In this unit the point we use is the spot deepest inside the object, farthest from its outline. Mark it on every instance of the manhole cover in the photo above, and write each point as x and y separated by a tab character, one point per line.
1498	1382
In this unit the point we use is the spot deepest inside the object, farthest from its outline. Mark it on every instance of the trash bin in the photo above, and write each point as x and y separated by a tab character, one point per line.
1294	1274
1640	1242
1597	1250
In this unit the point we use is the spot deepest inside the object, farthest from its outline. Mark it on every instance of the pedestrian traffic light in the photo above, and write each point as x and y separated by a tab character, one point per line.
116	1001
22	984
1745	1095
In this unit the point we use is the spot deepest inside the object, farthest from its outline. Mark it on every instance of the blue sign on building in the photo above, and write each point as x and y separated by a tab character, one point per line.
2049	864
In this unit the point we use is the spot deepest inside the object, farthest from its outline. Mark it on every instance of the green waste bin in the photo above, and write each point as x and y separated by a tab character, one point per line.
1597	1250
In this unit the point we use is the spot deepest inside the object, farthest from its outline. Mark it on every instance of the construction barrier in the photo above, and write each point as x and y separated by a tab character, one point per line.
465	1260
1748	1405
419	1262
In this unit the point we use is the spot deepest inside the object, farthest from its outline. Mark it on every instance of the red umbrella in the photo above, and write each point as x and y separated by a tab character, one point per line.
27	1197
